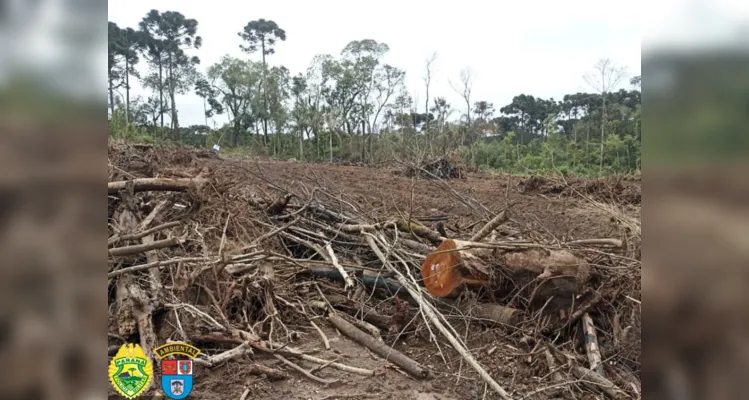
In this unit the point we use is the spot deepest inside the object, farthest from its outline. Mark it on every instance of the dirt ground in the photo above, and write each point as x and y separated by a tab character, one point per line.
547	209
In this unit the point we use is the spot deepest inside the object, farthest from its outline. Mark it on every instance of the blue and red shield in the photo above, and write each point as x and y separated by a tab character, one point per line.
176	378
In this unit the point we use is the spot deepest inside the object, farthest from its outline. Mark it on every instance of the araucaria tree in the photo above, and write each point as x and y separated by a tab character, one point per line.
168	35
124	45
262	35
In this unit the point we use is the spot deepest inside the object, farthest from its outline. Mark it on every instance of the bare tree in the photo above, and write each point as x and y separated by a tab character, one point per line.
464	90
605	77
427	82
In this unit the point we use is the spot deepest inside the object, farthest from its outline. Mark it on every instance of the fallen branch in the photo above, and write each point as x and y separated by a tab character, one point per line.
418	230
396	357
585	307
291	352
324	338
142	248
271	373
596	242
591	344
269	234
494	314
239	337
552	367
161	184
369	281
137	236
500	219
221	358
595	381
303	371
333	259
156	264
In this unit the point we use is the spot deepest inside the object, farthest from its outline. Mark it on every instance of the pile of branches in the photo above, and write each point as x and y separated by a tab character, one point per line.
206	258
439	168
622	189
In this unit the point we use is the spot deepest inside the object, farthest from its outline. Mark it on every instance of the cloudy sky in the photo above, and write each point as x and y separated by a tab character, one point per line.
537	47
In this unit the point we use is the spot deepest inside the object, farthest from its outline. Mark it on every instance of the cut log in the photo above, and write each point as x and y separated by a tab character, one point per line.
164	184
454	263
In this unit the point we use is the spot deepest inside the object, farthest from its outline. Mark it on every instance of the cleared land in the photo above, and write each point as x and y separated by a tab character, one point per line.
241	259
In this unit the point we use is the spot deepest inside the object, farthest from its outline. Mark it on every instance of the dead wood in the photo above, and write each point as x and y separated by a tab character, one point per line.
418	230
271	373
239	351
500	219
494	314
134	304
154	184
588	304
138	236
279	205
597	382
358	310
239	337
333	259
596	242
303	372
379	281
155	264
439	168
542	272
396	357
591	344
142	248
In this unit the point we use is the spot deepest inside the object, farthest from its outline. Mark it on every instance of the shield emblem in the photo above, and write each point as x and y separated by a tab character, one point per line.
185	367
176	378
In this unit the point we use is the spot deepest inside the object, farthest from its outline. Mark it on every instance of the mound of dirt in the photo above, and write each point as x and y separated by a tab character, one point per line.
237	255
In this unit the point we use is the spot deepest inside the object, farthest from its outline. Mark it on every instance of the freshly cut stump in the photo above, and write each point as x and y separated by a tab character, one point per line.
442	272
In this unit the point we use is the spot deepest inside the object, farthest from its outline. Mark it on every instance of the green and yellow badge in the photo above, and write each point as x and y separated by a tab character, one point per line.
130	371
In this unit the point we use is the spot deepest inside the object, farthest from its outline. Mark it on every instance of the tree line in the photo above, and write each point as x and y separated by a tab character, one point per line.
355	107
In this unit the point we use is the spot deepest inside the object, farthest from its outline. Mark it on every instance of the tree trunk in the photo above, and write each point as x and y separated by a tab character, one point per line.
330	147
111	95
127	91
603	130
301	145
175	122
574	130
161	91
468	111
363	143
235	136
265	98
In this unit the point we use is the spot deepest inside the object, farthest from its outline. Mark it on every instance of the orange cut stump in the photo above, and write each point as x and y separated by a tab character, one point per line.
440	270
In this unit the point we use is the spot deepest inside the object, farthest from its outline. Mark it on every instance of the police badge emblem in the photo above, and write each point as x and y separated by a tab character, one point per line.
176	375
